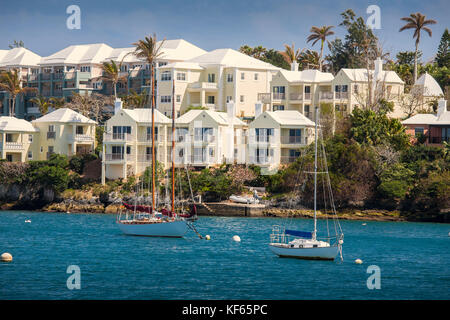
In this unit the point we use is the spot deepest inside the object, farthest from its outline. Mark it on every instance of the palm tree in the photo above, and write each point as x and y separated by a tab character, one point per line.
112	71
150	50
418	22
320	34
57	103
291	55
42	103
11	83
309	59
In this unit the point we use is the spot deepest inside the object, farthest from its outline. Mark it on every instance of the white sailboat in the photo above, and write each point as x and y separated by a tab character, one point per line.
306	245
141	220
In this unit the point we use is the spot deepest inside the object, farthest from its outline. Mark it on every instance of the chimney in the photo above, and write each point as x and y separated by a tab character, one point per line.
117	105
258	109
231	112
442	107
294	66
378	68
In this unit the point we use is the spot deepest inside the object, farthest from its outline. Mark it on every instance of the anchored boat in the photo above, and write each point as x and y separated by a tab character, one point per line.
303	244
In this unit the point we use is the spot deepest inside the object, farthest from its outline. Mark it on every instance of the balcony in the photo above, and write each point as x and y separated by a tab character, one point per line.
264	97
209	138
262	160
80	138
287	159
262	139
308	96
341	95
118	137
51	135
203	86
326	95
279	96
114	157
18	146
33	110
293	140
295	96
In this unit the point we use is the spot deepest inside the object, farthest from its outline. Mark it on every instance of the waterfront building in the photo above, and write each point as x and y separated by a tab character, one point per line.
435	127
301	91
64	131
277	137
351	88
17	139
212	80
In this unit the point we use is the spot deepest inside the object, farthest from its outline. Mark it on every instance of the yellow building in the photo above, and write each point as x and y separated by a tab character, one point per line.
17	139
212	80
64	131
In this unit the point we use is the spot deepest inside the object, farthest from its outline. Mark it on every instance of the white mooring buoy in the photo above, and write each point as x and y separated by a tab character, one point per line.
207	237
358	261
28	221
6	257
364	224
236	238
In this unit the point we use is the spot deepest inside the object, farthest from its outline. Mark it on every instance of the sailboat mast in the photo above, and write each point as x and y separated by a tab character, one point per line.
153	141
173	146
315	174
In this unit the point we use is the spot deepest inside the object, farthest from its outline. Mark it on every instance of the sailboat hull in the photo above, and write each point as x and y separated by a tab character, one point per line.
321	253
173	229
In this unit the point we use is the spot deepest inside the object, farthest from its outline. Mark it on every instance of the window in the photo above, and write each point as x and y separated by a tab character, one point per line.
79	130
9	137
344	88
181	134
211	152
337	88
203	134
178	98
166	76
210	99
30	138
418	131
85	69
30	155
229	98
42	149
162	64
307	89
51	128
242	99
356	88
263	134
166	99
295	135
211	77
9	158
128	150
337	107
149	133
181	76
117	149
242	76
229	77
51	149
181	153
294	153
278	107
120	131
256	76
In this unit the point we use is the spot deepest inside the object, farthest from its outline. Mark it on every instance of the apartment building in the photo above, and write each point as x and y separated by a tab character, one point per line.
436	127
26	63
17	139
351	87
301	91
127	142
64	131
212	80
276	137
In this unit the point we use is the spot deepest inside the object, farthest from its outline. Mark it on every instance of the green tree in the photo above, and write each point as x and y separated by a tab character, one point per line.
396	181
42	103
290	54
11	83
443	55
407	57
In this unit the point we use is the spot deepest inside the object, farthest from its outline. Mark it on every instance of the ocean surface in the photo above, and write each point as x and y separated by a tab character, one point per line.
413	259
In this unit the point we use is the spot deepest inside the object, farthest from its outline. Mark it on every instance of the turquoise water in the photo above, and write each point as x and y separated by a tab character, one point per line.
413	258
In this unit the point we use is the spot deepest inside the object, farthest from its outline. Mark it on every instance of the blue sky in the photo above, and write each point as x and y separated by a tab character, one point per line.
209	24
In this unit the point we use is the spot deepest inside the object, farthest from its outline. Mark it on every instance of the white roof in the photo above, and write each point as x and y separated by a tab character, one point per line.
288	118
307	76
430	86
172	50
360	75
183	65
64	115
144	115
427	118
79	54
232	58
16	125
19	57
220	117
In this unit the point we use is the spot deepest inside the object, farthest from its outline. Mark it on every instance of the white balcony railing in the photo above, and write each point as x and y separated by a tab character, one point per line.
293	140
263	160
341	95
307	96
203	85
118	137
80	138
12	146
295	96
279	96
326	95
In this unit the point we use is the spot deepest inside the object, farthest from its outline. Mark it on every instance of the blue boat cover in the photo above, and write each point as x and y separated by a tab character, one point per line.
301	234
